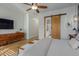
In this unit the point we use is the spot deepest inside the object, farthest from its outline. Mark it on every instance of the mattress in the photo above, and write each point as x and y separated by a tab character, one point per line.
39	49
62	48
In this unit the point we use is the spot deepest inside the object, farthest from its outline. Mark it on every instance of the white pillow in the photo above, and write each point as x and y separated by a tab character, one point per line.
77	37
74	43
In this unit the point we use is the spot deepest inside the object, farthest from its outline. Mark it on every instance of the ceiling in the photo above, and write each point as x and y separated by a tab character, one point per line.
54	6
51	6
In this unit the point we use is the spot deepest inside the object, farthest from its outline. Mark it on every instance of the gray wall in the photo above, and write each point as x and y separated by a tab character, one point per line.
9	11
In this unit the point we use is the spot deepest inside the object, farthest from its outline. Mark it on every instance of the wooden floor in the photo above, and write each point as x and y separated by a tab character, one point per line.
12	49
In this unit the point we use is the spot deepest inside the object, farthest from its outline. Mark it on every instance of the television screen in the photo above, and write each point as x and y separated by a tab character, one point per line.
6	24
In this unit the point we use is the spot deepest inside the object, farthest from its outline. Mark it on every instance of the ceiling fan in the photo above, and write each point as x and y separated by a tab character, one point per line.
36	6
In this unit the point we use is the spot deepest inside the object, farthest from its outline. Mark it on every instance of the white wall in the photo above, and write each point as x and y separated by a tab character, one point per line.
27	21
31	25
9	11
64	19
26	25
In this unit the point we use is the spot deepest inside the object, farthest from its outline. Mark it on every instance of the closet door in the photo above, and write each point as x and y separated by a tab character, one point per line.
56	27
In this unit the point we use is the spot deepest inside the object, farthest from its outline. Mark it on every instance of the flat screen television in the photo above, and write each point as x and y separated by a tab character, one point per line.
6	23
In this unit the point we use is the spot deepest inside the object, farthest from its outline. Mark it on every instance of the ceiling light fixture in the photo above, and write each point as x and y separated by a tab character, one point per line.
75	16
34	7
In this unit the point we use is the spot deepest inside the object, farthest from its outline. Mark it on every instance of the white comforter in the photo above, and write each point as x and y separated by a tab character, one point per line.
62	48
51	47
39	49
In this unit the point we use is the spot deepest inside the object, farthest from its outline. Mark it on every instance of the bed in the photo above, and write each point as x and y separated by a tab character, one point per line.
38	49
62	48
51	47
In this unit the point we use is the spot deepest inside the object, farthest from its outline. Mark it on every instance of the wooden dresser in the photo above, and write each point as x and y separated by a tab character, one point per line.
10	38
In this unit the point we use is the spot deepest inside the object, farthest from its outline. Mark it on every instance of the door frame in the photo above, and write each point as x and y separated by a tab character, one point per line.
51	19
45	24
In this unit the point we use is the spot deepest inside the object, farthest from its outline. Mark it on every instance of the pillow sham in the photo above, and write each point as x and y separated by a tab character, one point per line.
77	37
74	43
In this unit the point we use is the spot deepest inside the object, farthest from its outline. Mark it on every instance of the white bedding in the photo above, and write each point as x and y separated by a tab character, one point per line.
27	47
39	49
62	48
51	47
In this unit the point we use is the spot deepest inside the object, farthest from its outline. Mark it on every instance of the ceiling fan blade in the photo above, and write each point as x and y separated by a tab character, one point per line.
42	6
37	10
28	4
28	9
